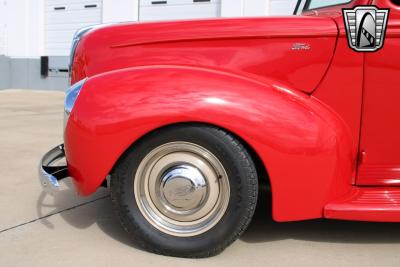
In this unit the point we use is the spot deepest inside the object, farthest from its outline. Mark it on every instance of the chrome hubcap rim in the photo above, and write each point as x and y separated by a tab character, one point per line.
182	189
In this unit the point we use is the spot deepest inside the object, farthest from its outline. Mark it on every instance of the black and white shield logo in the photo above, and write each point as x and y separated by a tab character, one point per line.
366	27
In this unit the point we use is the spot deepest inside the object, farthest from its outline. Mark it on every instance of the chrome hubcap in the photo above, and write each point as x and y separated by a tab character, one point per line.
182	189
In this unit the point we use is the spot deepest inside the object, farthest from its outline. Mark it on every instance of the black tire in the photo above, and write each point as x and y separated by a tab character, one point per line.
243	185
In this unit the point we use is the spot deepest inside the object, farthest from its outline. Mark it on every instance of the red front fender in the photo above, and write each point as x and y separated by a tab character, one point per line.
306	148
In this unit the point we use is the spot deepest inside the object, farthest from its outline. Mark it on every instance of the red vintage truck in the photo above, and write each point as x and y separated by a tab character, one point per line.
187	119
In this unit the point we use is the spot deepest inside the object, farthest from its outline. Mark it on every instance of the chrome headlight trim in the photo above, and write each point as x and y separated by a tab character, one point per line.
75	41
71	96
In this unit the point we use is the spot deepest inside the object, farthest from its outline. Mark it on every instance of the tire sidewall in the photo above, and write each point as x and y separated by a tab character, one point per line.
241	192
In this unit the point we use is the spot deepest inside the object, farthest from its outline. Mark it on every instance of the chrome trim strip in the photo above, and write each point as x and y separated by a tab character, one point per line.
72	95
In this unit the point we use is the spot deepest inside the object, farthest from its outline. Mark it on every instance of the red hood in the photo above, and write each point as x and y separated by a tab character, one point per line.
256	47
155	32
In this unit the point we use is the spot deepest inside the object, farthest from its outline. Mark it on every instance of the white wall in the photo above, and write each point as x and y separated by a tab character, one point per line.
25	27
3	27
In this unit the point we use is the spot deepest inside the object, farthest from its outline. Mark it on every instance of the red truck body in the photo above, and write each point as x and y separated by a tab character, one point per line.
322	118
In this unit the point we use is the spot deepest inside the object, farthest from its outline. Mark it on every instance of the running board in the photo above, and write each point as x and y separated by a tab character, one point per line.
377	204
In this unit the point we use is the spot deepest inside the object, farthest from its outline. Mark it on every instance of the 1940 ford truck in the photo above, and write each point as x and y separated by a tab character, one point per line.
186	120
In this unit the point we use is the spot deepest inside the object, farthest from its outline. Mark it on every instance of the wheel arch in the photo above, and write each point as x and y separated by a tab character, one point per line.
262	170
305	148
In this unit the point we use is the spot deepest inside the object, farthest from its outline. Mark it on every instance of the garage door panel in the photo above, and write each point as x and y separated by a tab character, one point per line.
64	18
68	2
73	7
60	36
62	51
60	47
82	16
176	2
179	12
66	27
59	44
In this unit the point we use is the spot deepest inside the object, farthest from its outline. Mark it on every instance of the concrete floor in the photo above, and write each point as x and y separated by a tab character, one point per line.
64	230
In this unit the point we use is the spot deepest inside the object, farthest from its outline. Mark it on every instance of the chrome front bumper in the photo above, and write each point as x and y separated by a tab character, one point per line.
49	172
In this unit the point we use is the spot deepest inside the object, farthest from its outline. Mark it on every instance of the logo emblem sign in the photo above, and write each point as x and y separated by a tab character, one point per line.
366	27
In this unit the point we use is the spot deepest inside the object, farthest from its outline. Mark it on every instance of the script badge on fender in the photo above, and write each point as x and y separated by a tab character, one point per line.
366	27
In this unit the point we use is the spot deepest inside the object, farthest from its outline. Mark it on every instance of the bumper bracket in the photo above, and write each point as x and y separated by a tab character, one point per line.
49	173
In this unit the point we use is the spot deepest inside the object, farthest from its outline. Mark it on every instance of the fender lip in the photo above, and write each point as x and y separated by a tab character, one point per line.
49	173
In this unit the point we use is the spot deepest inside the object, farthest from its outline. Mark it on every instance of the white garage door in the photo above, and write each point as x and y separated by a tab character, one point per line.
178	9
64	18
282	7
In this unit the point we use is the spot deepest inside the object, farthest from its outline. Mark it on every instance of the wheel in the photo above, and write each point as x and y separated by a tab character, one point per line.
185	191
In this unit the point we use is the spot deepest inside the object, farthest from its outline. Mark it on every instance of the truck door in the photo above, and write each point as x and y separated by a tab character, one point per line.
379	163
